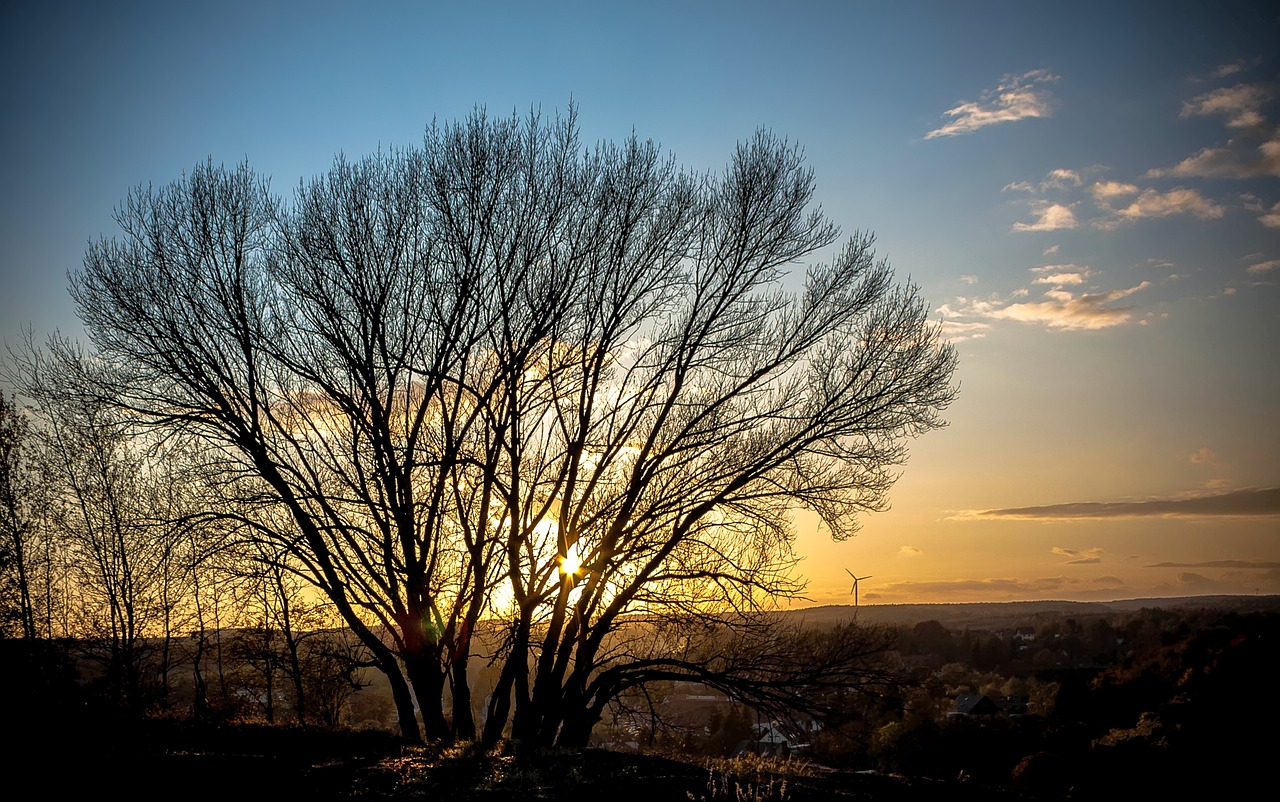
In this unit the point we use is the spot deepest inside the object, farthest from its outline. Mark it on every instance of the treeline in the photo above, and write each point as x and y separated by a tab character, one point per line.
1151	702
117	578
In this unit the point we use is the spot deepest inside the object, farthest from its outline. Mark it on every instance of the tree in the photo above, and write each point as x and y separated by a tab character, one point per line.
20	493
503	377
104	487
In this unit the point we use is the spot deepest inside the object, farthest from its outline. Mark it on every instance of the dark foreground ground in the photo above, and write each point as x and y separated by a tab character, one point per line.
177	762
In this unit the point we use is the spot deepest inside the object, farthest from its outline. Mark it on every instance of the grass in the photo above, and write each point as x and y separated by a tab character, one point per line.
166	760
750	778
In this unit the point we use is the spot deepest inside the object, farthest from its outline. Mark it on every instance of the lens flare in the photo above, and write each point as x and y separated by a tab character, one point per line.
571	563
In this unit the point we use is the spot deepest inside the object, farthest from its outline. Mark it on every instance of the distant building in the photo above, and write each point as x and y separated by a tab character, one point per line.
972	705
773	738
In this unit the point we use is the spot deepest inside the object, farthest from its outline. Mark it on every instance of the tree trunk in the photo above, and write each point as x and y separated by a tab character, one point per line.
514	678
575	732
427	679
464	721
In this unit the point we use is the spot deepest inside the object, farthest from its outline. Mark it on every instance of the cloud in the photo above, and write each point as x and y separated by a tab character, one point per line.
1239	159
1060	178
1197	582
1262	564
1057	309
1253	502
1243	156
909	551
1061	279
1272	218
1240	104
1104	192
956	331
1052	249
1018	97
1061	275
1190	582
1204	456
1049	217
1152	203
967	279
1002	585
1263	267
1186	581
1062	310
1086	557
1229	69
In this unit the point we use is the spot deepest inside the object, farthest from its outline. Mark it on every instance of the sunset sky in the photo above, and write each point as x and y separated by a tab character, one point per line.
1087	193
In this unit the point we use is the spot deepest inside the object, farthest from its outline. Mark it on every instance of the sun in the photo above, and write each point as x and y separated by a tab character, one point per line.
570	563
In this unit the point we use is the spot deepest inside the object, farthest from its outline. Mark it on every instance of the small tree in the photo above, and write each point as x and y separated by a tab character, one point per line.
502	376
20	506
103	488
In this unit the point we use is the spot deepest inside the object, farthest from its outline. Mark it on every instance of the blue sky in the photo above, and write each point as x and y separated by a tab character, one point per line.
1088	194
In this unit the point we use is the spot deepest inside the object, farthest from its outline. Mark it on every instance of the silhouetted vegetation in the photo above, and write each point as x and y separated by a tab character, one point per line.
496	399
1173	706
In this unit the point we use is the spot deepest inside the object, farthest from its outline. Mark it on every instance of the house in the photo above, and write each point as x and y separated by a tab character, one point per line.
773	739
971	705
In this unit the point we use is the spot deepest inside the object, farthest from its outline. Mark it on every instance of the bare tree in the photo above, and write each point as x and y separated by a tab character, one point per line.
21	546
502	376
103	485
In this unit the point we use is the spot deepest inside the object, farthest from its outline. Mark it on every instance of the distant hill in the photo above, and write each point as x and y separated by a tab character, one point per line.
1003	615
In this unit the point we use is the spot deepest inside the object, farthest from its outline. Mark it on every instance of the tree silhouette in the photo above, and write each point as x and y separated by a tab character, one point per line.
501	377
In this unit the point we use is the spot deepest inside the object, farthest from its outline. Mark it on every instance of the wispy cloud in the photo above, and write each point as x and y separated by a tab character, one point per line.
1198	583
1056	309
1239	159
1049	217
1263	564
1060	178
1263	267
1229	69
1241	578
957	331
1204	456
1085	557
1240	104
1152	203
1105	193
1018	97
1061	275
1254	153
909	551
1226	576
1272	218
1063	310
992	587
1254	502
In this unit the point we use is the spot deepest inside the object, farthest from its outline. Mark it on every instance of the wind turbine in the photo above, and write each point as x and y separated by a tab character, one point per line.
856	580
